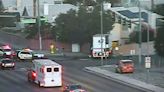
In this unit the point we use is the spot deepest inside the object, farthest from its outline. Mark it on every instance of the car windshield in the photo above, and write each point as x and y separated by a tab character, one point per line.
25	52
7	50
128	63
6	61
75	87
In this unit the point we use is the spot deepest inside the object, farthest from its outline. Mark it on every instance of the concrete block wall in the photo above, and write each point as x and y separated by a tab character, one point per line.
133	49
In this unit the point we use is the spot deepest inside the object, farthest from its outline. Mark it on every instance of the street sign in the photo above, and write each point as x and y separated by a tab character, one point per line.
147	62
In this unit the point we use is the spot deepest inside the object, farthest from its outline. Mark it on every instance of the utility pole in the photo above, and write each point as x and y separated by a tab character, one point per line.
34	8
39	24
148	38
140	33
101	18
152	4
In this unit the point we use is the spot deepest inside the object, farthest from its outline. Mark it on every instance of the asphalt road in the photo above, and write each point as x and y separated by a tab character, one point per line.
16	80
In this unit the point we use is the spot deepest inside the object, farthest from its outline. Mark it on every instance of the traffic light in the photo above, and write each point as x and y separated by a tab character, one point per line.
113	15
129	23
119	20
124	21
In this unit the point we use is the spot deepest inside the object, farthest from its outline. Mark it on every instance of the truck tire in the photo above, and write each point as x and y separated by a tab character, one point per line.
39	84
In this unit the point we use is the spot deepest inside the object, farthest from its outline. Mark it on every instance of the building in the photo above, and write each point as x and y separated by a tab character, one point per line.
28	9
147	4
127	19
51	11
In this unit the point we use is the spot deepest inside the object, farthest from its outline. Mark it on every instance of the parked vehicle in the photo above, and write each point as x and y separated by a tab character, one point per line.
74	88
45	72
7	63
125	66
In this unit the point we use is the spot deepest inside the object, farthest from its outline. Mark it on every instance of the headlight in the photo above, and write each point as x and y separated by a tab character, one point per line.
3	64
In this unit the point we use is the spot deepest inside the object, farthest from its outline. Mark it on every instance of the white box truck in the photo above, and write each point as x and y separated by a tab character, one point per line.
45	72
101	46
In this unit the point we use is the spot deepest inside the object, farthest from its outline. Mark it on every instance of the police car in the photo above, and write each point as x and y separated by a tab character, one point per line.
25	54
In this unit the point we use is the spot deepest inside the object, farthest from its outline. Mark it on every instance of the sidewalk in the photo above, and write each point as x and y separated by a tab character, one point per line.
65	54
152	82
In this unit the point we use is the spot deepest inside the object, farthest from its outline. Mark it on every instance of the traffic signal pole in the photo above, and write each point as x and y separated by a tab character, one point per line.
39	24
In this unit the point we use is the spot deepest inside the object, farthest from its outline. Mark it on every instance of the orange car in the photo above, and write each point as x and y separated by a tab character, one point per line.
125	66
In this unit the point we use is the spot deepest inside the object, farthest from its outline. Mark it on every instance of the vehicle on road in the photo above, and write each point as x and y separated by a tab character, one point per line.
73	88
15	56
37	55
7	63
25	54
100	46
125	66
45	72
6	51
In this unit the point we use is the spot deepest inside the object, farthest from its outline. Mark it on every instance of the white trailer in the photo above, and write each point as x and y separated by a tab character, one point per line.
46	73
101	46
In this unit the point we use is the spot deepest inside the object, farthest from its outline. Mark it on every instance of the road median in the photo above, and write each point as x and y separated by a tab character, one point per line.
124	79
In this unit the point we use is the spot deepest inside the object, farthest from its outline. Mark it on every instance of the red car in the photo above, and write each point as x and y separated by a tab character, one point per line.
125	66
73	88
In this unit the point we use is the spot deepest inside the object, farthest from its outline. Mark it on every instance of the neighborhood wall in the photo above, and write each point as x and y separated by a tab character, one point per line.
62	47
133	49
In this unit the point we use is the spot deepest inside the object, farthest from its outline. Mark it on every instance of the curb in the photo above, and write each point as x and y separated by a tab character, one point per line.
66	55
123	79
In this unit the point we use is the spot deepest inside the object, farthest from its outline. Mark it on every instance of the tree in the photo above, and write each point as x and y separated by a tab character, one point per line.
73	2
32	31
91	2
159	42
65	25
110	1
1	6
159	9
80	26
134	36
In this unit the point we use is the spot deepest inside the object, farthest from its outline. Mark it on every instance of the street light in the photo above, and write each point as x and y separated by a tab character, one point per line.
39	24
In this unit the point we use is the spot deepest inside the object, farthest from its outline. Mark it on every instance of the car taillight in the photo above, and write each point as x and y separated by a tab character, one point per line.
110	52
33	74
13	54
124	67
